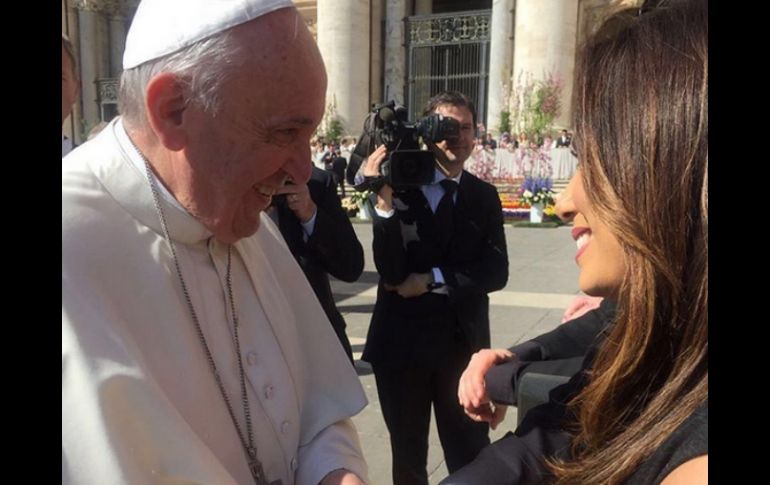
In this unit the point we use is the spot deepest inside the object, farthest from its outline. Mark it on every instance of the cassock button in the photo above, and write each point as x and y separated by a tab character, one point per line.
285	427
269	391
293	464
251	358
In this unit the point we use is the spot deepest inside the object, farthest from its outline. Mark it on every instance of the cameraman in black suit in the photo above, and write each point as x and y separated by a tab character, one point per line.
439	249
322	240
338	169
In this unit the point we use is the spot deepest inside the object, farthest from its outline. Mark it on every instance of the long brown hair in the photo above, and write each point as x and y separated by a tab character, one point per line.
641	120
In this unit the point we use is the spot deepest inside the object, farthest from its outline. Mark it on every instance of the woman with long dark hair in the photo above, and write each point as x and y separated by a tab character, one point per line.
638	412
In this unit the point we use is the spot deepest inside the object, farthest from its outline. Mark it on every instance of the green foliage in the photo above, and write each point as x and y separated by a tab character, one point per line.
334	130
85	128
505	121
546	105
331	128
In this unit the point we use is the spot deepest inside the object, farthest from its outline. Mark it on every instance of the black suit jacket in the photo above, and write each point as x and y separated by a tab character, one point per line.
558	352
518	457
563	142
333	248
338	168
474	263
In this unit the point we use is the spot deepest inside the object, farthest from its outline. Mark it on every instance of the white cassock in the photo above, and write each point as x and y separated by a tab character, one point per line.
66	146
139	401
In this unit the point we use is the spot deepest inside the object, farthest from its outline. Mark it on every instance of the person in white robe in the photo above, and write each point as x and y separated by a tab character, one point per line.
193	348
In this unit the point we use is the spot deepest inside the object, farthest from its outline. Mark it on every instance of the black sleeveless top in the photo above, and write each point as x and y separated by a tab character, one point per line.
690	440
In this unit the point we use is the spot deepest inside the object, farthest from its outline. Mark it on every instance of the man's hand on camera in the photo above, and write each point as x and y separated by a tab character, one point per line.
372	169
373	162
299	201
440	151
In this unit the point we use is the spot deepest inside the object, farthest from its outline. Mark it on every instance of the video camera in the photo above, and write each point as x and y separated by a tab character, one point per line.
406	165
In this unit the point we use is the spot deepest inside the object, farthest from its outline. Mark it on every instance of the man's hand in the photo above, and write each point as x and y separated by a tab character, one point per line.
444	157
341	477
414	285
371	168
472	392
299	201
491	413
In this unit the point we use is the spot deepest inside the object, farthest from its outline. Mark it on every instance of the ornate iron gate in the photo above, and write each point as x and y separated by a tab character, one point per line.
448	52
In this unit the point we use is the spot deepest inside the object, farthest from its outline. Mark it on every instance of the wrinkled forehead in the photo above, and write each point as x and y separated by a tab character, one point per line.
281	70
281	51
278	35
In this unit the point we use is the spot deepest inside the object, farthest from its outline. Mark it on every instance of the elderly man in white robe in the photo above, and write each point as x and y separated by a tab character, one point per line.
193	348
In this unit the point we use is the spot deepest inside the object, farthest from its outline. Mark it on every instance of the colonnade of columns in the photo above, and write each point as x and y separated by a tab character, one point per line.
98	30
532	37
363	44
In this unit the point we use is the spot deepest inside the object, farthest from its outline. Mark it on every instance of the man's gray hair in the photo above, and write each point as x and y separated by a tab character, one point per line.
202	68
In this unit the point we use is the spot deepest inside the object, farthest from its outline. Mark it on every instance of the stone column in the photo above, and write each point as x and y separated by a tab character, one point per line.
70	28
500	62
117	29
546	37
102	46
343	39
64	28
375	49
395	53
88	41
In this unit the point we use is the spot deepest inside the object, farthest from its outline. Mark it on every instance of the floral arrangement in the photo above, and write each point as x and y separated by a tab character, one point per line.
546	105
350	206
511	201
537	190
353	203
482	165
358	198
534	161
535	104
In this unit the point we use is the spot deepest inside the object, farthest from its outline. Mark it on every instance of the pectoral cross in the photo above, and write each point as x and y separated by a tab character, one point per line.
255	466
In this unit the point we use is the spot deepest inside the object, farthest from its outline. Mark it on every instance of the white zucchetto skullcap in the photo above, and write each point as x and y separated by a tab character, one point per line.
161	27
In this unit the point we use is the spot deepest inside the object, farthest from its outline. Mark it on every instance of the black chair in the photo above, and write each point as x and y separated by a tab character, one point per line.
533	390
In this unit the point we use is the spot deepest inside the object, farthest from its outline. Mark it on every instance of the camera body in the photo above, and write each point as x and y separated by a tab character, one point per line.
406	165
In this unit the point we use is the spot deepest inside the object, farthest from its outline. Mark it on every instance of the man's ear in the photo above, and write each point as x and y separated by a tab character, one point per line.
165	108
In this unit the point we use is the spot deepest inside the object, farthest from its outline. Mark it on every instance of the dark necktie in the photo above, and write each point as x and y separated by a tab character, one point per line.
445	212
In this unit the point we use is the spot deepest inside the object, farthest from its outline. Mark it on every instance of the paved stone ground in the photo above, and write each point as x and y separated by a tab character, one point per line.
542	281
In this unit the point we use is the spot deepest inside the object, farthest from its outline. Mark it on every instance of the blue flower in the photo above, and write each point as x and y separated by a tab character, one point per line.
537	189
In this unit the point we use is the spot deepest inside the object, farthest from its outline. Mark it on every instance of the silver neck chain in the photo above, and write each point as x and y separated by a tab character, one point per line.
255	466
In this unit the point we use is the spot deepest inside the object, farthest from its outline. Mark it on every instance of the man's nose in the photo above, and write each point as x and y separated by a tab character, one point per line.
300	166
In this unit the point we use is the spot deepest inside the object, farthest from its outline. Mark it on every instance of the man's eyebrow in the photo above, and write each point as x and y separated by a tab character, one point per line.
297	121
